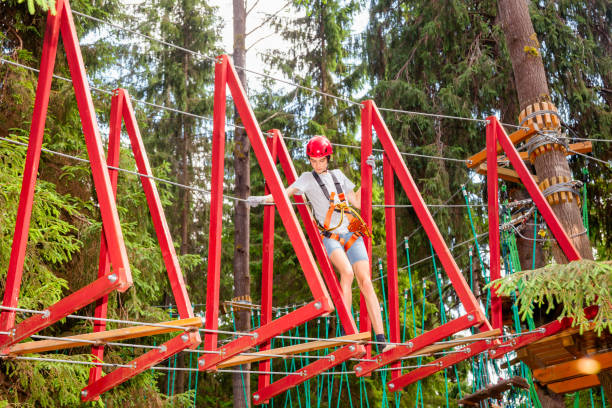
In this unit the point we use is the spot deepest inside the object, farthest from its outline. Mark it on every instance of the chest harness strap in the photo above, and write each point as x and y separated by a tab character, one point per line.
356	224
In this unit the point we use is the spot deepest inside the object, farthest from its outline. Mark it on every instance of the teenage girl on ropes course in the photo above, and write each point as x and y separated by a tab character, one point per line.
332	198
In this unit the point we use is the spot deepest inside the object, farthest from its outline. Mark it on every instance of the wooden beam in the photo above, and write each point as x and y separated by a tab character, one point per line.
104	336
503	173
296	349
570	369
576	384
434	348
515	137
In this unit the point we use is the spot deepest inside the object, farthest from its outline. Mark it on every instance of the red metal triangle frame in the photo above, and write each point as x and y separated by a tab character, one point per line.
226	76
112	251
496	134
394	164
121	108
121	278
278	149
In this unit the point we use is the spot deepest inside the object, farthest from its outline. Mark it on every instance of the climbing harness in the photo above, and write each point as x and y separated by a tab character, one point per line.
356	224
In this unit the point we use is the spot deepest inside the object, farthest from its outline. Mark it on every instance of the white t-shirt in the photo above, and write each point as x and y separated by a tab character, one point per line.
306	184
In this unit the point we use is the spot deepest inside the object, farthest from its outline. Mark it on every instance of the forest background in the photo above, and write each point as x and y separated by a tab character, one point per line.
441	57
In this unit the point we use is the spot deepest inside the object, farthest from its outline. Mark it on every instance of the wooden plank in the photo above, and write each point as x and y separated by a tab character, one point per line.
570	369
295	349
503	173
434	348
576	384
515	137
104	336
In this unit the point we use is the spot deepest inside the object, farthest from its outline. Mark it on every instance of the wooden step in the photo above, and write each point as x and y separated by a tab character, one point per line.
104	336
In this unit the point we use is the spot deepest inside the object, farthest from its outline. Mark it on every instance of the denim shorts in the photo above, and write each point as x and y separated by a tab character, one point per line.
357	252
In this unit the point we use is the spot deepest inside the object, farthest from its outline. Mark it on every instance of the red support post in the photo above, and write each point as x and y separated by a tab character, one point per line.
101	178
267	267
112	160
493	207
365	325
539	200
213	280
391	241
121	108
461	287
162	231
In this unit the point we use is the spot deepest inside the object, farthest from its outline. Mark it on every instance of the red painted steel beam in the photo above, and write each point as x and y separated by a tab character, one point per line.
271	175
26	198
365	324
141	364
225	75
446	259
164	238
101	178
267	267
262	334
306	373
112	160
440	364
418	343
343	310
213	280
494	238
538	198
391	241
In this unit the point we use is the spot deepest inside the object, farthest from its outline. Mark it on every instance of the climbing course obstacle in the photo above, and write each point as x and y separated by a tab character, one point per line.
270	148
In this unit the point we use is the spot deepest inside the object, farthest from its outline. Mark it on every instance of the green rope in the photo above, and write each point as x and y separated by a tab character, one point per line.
577	399
585	210
422	332
195	394
603	397
475	235
385	399
442	314
241	374
535	235
414	326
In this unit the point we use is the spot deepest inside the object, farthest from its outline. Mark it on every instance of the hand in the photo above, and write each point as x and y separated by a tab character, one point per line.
371	162
254	201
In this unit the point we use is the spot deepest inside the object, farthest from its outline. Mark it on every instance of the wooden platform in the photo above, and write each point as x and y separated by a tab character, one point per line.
103	336
493	391
568	361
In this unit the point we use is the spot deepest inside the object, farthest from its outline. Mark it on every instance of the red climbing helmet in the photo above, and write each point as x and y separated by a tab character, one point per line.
319	146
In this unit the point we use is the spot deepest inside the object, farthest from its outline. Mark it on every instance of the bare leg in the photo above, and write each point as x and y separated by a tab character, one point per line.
343	266
361	269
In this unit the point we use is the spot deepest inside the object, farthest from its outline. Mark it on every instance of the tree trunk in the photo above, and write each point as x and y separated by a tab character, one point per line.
532	87
242	279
